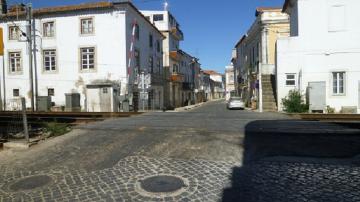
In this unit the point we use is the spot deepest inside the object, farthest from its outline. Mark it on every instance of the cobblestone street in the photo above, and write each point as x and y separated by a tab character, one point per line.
296	179
107	161
204	181
186	156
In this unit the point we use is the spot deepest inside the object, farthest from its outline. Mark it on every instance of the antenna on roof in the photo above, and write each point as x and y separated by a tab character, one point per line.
166	5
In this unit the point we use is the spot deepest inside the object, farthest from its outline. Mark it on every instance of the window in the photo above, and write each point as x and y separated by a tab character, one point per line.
87	26
175	68
49	29
137	60
105	90
16	92
337	18
158	65
231	78
14	33
87	58
290	80
151	40
51	92
151	64
15	62
137	31
158	17
158	47
338	83
49	60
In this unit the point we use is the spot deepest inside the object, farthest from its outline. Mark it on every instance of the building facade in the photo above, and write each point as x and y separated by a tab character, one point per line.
217	85
205	88
83	47
254	60
230	82
321	57
181	68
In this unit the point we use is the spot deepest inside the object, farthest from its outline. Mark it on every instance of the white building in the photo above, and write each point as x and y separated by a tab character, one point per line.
321	58
230	82
217	84
82	45
172	56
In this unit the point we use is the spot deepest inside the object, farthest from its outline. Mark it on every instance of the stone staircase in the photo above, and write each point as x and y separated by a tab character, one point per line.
269	100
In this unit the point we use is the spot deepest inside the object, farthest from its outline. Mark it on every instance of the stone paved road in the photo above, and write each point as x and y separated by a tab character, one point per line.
107	161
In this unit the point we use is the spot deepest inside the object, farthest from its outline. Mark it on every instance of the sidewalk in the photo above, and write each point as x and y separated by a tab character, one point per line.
191	107
188	108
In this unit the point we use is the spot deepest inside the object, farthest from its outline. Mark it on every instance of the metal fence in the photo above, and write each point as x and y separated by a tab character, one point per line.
14	125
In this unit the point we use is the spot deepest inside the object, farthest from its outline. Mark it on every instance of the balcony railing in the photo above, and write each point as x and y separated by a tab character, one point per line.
176	77
175	55
177	33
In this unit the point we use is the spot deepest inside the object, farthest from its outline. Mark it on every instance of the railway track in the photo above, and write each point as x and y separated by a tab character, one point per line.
328	117
63	117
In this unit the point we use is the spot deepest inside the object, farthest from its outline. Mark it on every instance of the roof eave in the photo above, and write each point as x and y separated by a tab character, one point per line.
286	6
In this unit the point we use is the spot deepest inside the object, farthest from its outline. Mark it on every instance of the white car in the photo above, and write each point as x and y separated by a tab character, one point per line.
235	103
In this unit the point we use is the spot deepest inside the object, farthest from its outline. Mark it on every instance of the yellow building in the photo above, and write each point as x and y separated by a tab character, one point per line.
255	53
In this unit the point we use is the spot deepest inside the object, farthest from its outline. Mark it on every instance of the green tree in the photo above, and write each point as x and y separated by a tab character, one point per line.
294	103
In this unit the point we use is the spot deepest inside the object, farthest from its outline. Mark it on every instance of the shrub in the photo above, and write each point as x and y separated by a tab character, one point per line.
294	103
56	129
330	110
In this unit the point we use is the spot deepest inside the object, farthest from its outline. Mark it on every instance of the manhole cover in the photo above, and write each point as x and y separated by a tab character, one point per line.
29	183
162	184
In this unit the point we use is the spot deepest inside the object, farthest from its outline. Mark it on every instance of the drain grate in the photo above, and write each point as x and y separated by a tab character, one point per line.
30	183
162	184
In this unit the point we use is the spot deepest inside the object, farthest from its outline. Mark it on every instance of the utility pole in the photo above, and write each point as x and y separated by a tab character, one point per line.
4	83
3	102
35	63
29	40
143	90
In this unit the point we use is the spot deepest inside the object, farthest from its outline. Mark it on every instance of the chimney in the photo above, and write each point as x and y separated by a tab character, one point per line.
3	7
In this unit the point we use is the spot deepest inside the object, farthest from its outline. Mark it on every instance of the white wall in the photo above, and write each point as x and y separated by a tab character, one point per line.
318	51
111	41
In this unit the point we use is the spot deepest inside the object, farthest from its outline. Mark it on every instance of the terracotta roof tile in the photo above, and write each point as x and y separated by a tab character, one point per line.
78	7
59	9
260	10
211	72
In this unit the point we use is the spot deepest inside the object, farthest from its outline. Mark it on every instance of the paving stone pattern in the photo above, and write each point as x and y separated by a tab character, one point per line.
269	181
205	181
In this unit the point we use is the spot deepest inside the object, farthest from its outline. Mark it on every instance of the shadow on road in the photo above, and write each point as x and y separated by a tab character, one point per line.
297	161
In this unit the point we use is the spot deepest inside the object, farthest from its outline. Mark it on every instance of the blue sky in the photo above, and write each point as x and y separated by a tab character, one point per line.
211	27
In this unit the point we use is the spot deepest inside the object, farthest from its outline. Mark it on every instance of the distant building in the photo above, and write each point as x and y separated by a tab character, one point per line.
254	58
82	47
321	57
230	82
205	88
217	84
180	67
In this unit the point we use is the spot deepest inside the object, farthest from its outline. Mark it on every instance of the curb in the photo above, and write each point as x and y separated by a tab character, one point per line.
19	145
187	108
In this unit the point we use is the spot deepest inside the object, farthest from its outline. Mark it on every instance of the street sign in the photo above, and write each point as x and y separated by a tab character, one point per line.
147	79
144	81
144	95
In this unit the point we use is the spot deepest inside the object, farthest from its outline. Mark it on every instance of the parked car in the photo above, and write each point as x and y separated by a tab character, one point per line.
235	103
